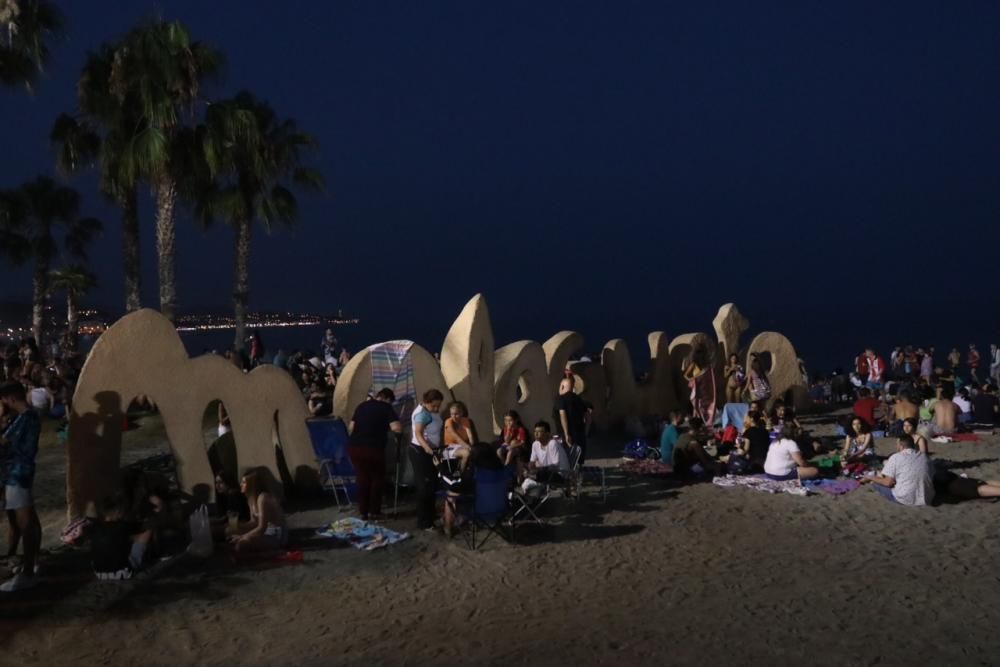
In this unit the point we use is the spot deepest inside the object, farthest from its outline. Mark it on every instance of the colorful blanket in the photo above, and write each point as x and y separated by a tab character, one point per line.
833	487
393	368
361	534
762	483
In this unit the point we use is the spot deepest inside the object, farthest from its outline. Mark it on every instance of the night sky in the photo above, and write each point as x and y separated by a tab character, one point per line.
613	168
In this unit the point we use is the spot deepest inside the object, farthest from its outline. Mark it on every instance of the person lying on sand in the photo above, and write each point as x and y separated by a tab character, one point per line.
267	529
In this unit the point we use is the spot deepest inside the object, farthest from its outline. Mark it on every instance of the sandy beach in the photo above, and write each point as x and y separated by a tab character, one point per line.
659	574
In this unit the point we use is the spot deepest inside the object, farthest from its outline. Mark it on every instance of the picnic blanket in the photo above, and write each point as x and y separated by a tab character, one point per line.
762	483
833	487
361	534
647	467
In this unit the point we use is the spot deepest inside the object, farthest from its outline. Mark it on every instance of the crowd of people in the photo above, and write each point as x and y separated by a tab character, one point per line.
446	446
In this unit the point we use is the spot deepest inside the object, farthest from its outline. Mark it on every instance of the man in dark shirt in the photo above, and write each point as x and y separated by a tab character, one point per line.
985	409
366	447
574	417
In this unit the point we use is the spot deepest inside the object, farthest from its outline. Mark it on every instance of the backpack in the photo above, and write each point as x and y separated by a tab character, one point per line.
738	465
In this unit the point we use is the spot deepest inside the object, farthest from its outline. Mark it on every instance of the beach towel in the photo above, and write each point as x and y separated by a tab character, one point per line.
964	437
833	487
703	395
361	534
762	483
393	368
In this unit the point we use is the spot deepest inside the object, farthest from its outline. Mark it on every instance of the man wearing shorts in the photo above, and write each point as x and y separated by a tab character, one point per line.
18	448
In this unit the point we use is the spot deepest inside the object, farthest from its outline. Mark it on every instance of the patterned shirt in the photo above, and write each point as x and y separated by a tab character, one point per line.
911	471
20	448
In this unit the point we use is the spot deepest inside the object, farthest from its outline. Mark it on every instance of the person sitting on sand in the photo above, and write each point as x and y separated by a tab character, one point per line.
866	406
459	435
784	460
859	445
549	461
985	407
669	437
964	405
755	440
905	407
690	449
906	476
910	426
514	436
267	529
945	412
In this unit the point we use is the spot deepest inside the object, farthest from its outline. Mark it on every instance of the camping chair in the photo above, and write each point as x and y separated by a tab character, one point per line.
329	441
491	506
529	504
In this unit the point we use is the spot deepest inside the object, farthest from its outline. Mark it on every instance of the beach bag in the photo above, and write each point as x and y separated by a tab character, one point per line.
201	533
638	449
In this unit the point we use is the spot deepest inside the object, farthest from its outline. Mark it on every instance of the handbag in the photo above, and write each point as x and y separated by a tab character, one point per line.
201	533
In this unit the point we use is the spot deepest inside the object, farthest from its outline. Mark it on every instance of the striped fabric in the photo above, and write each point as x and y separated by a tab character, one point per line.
393	368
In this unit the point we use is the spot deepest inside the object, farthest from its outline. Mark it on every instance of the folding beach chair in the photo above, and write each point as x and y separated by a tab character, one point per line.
329	441
491	506
528	504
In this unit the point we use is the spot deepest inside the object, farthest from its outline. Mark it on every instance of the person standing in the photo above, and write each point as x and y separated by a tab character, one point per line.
876	369
18	447
995	363
366	447
735	379
574	417
424	448
973	361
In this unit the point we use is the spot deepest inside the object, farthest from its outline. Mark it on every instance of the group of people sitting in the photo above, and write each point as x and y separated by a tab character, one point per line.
446	446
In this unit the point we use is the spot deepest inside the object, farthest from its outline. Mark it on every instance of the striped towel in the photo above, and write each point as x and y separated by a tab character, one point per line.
393	368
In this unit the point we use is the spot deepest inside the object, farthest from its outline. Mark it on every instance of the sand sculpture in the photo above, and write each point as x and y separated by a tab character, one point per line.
142	354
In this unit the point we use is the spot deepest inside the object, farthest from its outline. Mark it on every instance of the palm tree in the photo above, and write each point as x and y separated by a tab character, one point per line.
157	71
34	211
253	156
103	133
76	281
25	27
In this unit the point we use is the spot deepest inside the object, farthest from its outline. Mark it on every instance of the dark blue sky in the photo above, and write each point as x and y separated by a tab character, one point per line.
610	167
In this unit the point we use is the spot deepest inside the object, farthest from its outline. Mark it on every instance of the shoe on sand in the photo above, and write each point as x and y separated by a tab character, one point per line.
17	569
18	582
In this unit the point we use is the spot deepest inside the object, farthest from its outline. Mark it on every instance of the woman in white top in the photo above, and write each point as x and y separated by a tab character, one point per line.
784	460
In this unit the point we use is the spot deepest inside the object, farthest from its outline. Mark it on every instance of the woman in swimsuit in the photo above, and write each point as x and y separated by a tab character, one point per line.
267	529
910	428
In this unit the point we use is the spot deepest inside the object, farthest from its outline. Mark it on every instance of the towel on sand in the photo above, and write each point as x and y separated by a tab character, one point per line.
762	483
361	534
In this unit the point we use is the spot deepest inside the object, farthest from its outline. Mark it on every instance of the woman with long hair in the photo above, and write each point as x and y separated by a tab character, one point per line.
267	529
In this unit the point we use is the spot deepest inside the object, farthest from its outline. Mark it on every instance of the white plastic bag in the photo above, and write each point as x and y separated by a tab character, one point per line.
201	533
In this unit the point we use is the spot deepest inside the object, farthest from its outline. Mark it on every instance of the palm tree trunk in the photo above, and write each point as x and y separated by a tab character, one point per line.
39	290
72	322
130	250
241	280
166	237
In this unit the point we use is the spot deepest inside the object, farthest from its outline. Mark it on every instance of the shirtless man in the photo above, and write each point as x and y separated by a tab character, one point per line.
905	408
945	412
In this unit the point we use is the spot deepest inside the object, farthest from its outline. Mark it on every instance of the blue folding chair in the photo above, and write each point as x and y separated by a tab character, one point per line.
491	506
329	441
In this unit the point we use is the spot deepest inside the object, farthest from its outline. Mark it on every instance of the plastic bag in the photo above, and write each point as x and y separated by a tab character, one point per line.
201	533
